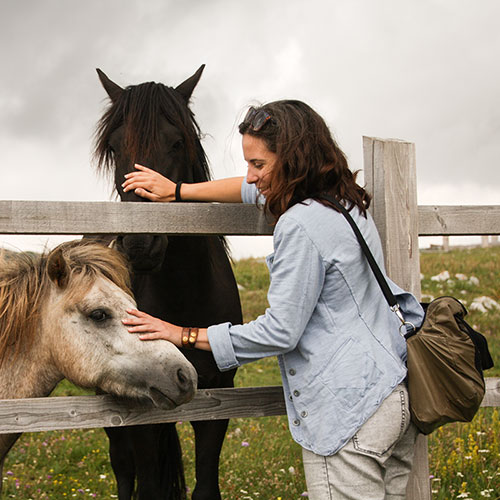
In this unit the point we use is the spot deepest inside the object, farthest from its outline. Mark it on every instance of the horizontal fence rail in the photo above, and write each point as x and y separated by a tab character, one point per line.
84	412
74	218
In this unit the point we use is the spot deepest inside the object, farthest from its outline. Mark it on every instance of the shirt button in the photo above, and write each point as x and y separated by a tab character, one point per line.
296	393
296	422
292	371
303	414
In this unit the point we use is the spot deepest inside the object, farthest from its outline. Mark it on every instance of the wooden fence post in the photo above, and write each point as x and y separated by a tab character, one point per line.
390	176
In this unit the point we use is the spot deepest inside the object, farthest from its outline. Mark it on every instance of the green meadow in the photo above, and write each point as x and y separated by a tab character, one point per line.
259	459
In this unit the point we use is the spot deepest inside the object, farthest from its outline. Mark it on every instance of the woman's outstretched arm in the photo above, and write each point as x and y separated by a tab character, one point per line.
153	186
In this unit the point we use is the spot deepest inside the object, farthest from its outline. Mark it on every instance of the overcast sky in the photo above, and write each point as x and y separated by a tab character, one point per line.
425	71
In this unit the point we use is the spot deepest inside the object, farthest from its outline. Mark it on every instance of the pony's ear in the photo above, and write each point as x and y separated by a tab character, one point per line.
58	268
186	88
114	91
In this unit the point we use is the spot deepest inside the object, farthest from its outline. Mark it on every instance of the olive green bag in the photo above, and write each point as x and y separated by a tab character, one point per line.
446	359
446	356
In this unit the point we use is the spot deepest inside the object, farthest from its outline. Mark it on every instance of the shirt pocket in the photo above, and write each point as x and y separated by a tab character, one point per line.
350	373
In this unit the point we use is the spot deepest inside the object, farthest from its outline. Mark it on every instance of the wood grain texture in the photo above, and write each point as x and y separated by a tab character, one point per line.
80	412
390	175
62	217
458	220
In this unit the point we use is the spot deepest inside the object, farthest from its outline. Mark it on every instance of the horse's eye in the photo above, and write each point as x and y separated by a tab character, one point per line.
178	145
99	315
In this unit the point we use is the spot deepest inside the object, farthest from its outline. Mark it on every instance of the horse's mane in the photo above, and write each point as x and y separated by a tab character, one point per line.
25	284
139	109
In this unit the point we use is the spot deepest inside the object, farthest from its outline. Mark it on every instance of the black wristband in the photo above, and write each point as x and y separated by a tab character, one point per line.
178	191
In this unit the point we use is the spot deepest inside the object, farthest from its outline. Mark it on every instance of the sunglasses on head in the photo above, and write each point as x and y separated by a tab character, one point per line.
256	118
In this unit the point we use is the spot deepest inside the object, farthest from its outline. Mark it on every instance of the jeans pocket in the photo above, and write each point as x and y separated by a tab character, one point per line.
386	426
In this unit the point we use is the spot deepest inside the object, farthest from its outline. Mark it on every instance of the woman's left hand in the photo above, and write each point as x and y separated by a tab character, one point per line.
149	184
150	328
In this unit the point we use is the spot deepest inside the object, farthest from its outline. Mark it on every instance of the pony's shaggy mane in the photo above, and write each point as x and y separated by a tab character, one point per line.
139	109
25	284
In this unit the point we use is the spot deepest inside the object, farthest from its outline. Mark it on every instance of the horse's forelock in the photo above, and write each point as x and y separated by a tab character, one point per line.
87	261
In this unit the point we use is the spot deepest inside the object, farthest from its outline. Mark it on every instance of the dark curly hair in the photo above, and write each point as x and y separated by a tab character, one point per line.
309	161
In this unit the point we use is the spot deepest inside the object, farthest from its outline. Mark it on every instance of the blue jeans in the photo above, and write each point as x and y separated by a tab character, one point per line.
374	464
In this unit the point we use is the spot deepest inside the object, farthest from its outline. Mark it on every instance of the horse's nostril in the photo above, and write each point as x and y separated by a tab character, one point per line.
180	375
183	380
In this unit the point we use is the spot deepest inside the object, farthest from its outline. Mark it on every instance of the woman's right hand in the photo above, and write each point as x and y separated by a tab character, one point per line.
149	184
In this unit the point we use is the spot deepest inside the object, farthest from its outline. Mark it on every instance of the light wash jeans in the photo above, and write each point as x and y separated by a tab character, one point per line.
374	464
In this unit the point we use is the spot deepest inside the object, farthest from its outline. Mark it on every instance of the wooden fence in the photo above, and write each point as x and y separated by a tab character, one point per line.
390	174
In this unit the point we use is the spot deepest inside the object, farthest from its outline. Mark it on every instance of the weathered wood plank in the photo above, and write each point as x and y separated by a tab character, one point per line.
63	217
492	395
81	412
458	220
390	174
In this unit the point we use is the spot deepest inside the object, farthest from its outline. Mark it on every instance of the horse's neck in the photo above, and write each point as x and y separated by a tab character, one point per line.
29	374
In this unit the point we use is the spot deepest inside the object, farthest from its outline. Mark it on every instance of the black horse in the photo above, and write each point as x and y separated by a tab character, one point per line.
186	280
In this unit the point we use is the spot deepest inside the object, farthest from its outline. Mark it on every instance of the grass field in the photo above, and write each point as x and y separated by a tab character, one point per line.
259	459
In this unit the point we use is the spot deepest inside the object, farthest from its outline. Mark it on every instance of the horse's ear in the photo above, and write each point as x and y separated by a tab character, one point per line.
186	88
114	91
58	268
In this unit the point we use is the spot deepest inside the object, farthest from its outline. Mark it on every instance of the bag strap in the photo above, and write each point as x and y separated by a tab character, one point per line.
379	276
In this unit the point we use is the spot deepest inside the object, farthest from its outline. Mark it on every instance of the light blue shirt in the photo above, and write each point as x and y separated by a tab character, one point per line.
338	343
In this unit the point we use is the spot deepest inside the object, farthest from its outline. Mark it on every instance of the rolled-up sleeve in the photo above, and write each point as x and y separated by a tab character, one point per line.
297	277
250	193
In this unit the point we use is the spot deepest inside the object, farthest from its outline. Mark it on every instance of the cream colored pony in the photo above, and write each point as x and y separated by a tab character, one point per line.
60	317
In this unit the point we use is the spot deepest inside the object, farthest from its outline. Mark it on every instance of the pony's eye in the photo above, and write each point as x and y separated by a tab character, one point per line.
99	315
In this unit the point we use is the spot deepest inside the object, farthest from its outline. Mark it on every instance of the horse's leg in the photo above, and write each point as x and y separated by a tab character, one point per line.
122	460
209	436
158	459
6	443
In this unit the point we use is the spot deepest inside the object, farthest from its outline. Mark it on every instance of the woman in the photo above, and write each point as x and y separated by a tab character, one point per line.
341	357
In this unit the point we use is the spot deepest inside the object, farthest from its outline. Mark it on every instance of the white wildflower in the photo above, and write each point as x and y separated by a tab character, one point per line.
483	304
291	470
474	281
460	277
444	276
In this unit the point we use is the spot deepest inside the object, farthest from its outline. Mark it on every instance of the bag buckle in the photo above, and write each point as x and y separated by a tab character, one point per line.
403	328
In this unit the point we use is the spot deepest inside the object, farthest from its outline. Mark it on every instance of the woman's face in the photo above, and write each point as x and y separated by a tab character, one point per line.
260	162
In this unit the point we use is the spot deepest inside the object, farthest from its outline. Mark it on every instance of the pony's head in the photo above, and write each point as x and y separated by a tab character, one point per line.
64	310
150	124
